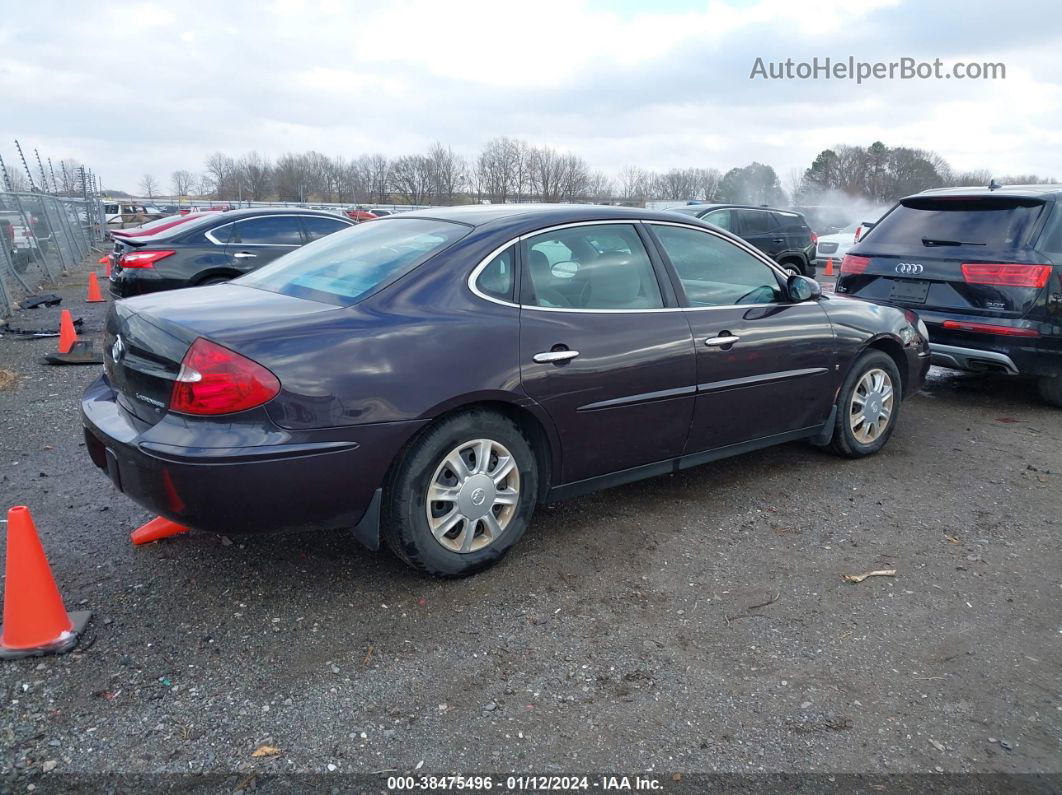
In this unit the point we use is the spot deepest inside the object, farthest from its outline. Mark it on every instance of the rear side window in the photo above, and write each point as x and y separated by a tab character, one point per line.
275	230
496	280
989	224
344	267
220	234
1050	242
756	222
591	267
724	219
317	227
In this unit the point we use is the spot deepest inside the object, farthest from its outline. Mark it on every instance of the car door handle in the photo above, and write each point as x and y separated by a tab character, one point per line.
729	339
244	254
555	357
778	240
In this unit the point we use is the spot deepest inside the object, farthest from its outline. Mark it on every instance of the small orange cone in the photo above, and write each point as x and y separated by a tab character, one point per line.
158	528
108	272
829	267
67	335
103	259
35	619
94	295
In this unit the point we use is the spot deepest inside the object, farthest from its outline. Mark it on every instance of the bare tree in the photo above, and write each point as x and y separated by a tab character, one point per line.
255	174
149	186
222	171
449	173
374	175
182	182
412	176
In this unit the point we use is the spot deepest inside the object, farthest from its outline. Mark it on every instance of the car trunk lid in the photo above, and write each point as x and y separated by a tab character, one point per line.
146	338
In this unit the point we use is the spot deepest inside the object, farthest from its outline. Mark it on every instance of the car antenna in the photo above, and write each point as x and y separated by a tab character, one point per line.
993	185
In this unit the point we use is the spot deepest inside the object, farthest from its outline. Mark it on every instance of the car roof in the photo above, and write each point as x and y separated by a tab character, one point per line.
478	215
249	211
722	206
1021	191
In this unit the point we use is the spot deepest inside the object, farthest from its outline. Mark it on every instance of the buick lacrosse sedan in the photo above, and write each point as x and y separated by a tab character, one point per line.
429	378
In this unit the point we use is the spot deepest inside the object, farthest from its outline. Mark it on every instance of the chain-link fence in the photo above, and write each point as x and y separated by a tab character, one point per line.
41	238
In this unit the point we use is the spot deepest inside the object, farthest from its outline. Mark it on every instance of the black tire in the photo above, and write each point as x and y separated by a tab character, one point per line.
1051	389
792	267
844	442
404	523
209	280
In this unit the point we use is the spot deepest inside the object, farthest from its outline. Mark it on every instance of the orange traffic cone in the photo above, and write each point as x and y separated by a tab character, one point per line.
108	272
94	295
35	620
67	335
103	259
829	266
155	530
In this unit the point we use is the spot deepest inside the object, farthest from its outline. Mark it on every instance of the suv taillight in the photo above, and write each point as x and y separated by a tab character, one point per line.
1006	275
143	259
814	238
215	380
853	264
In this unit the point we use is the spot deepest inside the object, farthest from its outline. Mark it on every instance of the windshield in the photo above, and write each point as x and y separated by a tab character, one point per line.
348	265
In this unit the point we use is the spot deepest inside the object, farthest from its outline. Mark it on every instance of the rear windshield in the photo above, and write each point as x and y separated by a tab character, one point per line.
347	265
991	224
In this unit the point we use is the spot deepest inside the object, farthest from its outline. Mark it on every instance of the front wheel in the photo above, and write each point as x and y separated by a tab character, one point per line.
868	406
462	495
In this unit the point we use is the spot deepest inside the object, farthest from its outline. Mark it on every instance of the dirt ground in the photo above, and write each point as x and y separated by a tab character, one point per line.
693	623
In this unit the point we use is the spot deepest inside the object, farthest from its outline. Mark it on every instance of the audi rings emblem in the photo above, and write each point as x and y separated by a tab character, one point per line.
910	268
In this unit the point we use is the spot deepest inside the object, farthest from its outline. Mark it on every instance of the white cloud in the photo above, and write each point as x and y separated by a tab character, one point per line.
145	87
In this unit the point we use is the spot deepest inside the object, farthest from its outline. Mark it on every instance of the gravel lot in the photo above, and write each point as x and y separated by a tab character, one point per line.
697	622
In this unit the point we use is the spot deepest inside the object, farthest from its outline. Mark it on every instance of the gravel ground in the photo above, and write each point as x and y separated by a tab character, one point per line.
696	622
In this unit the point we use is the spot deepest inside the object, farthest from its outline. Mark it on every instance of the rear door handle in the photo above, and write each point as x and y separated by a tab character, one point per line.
778	240
244	254
727	340
555	357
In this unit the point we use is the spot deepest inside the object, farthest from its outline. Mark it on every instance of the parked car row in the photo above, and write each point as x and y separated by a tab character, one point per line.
212	247
429	378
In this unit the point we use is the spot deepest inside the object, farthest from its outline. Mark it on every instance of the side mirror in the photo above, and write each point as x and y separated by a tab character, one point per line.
802	288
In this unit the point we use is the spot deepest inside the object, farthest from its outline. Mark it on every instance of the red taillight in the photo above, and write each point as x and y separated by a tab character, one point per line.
852	264
988	328
1006	275
143	259
814	238
215	380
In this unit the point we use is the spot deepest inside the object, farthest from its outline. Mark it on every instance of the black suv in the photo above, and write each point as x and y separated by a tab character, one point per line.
983	268
783	235
215	248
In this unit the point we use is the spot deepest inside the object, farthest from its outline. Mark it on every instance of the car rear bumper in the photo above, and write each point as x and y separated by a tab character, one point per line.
959	358
295	485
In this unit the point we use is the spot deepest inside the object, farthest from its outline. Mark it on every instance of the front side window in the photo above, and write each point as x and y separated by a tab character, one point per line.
496	280
591	267
716	272
276	230
344	267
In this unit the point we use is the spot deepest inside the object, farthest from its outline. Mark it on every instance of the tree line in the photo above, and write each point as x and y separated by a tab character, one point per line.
512	170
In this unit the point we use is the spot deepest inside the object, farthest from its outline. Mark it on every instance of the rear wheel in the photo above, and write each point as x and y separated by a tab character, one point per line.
462	495
1051	389
868	406
214	280
792	268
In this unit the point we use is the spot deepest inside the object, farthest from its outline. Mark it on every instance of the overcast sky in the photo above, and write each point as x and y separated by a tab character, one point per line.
142	87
